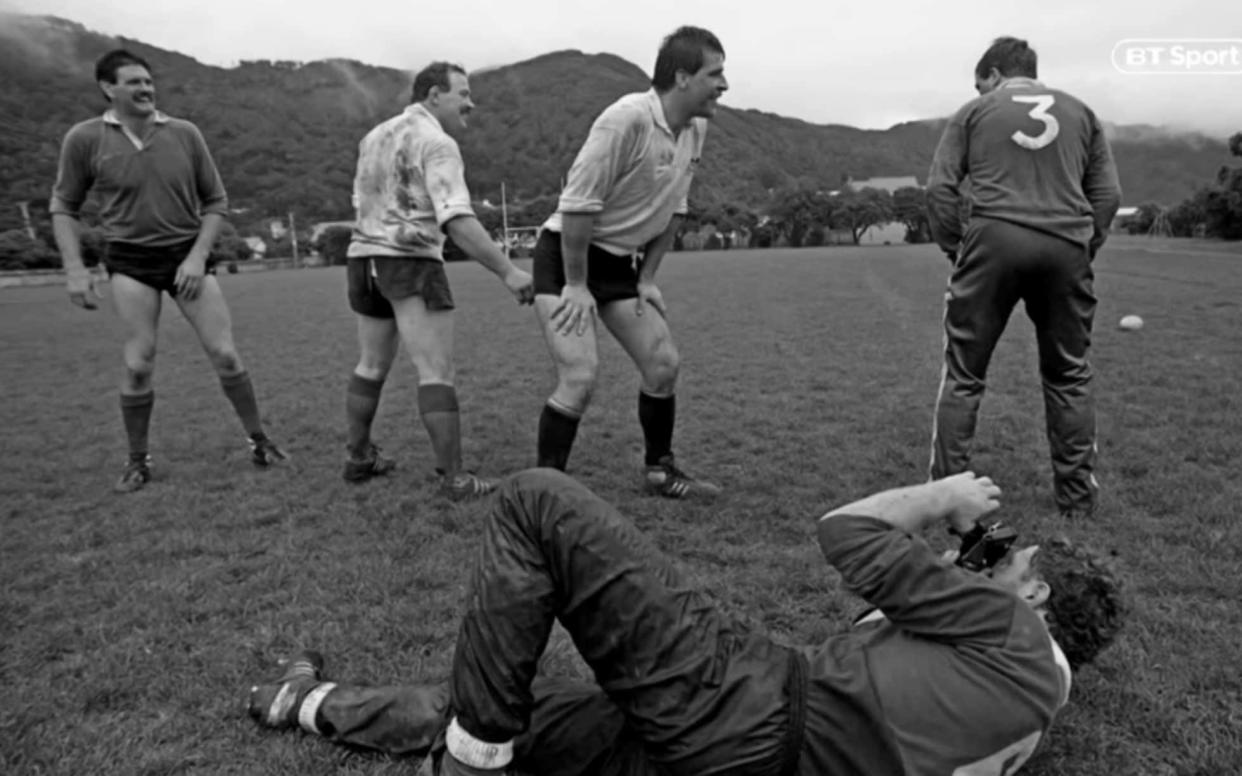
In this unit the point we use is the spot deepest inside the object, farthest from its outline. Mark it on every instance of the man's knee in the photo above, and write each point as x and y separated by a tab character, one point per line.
576	383
522	495
139	363
661	369
225	360
374	365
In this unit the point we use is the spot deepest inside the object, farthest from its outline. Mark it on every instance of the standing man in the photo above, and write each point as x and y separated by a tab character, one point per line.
1043	190
161	207
410	190
622	205
957	673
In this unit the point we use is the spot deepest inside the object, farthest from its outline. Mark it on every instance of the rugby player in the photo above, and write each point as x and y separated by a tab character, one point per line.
623	203
161	207
960	672
1043	192
410	189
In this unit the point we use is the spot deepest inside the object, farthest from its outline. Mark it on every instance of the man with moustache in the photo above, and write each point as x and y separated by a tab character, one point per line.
409	191
622	205
161	207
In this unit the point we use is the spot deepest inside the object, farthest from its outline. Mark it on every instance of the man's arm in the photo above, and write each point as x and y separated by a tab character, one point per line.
870	543
1101	186
444	173
949	167
73	181
959	500
576	231
654	251
648	292
472	238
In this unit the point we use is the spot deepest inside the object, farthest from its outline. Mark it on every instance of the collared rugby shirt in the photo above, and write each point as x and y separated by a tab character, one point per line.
632	173
411	182
152	190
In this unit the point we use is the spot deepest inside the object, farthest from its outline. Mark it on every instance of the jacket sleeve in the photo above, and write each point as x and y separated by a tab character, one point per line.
916	590
949	167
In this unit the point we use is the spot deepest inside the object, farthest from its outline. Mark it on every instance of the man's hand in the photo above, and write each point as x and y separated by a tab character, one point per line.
520	285
649	294
80	284
576	310
189	280
968	498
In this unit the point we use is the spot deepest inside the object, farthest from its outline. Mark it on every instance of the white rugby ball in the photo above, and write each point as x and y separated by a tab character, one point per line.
1131	323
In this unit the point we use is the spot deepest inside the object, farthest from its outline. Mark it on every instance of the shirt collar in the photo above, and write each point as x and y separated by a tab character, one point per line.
110	117
1064	666
1019	81
657	110
417	110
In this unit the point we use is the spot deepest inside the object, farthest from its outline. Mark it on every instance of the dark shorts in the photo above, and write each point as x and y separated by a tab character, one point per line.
374	281
610	278
154	267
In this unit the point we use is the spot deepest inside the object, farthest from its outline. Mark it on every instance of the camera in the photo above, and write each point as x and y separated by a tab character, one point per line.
985	545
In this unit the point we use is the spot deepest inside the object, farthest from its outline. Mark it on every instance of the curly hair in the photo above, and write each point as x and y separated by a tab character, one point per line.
1086	608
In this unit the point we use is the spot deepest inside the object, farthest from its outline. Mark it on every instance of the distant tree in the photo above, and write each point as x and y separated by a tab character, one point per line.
910	208
492	219
18	251
229	246
1235	144
333	243
797	210
1143	218
858	211
1223	206
1190	215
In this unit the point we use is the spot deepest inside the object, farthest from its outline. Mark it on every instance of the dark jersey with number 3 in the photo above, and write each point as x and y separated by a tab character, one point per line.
1035	156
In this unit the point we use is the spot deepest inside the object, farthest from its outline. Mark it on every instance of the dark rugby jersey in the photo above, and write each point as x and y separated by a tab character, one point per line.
1035	156
152	191
959	677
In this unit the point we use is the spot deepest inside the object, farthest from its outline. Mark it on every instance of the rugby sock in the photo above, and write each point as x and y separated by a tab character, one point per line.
240	392
557	428
136	414
437	404
656	414
361	403
478	756
309	718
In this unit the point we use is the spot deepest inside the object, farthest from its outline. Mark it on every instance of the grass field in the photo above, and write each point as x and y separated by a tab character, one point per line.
131	627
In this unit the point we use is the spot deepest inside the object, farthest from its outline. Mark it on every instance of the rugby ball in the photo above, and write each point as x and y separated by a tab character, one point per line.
1131	323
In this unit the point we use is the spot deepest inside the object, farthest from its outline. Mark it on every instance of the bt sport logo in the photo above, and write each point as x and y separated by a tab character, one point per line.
1178	56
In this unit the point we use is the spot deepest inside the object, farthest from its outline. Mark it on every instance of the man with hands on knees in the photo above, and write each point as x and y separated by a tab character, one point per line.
623	203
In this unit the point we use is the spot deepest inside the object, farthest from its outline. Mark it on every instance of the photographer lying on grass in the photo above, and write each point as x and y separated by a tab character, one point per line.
962	675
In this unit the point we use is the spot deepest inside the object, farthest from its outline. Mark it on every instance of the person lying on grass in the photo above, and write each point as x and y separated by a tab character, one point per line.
963	674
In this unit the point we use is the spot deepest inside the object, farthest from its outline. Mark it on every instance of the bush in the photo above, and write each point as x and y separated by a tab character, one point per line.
333	243
18	251
229	246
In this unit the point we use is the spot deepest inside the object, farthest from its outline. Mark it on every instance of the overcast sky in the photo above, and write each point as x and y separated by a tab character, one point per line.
868	63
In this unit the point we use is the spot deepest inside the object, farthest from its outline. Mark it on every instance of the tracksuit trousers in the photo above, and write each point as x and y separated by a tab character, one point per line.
681	689
1002	263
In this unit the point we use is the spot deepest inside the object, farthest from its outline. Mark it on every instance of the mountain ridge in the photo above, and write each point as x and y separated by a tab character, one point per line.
285	133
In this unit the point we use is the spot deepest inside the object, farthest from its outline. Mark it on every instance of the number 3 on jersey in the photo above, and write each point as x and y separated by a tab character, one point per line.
1052	128
1006	762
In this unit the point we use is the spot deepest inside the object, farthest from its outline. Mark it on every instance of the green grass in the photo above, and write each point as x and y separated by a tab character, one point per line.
131	627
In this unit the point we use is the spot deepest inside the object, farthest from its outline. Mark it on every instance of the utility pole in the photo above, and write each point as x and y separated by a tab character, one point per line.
293	238
30	230
504	217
